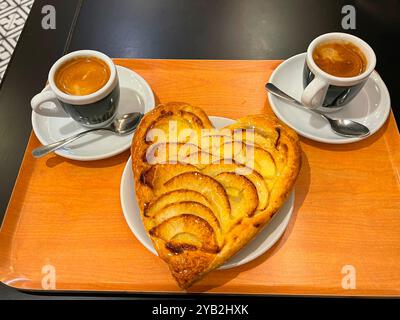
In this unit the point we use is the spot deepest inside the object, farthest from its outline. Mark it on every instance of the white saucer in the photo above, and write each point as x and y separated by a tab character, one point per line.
135	95
370	107
262	242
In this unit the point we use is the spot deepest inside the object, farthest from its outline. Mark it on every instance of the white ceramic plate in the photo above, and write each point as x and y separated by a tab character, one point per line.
370	107
135	95
260	244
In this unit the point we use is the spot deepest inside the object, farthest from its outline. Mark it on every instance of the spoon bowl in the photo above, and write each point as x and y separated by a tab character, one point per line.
348	128
126	123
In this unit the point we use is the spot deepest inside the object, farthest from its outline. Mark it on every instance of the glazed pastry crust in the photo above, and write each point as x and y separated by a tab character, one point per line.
217	238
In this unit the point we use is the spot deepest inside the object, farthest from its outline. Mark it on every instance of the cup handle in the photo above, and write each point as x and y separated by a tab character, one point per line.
314	94
47	96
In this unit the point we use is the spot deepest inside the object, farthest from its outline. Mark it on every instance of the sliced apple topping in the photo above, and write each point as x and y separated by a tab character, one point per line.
265	137
167	130
280	156
212	141
251	156
197	227
175	196
200	159
170	152
252	175
210	188
175	128
187	238
187	207
194	120
264	163
242	194
157	175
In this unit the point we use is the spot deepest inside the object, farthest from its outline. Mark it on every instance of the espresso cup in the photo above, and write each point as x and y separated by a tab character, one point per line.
326	92
92	110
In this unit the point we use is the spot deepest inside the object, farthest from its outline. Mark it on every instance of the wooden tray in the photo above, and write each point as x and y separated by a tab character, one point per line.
65	219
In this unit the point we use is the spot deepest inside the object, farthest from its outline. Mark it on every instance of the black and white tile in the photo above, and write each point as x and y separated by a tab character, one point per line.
13	14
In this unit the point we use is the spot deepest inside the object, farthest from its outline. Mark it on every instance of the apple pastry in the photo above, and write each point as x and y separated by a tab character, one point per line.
203	192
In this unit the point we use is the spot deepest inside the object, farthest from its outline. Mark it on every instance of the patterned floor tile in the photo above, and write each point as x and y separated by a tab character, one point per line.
13	15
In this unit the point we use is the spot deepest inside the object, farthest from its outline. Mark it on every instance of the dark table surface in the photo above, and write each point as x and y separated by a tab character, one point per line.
177	29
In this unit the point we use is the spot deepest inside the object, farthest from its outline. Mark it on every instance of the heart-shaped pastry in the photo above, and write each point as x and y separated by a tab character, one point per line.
205	193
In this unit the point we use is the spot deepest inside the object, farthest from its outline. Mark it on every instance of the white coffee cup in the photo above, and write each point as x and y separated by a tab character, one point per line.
328	93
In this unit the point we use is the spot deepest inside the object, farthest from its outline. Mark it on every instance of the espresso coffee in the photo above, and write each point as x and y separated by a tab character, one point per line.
340	59
82	76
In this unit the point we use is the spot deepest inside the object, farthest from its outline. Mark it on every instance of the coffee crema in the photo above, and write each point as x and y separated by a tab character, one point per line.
340	59
82	76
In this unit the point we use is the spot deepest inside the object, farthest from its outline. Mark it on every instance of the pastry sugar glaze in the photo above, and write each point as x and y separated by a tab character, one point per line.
82	76
340	59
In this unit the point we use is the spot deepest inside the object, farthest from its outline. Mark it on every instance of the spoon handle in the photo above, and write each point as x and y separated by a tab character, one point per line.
279	93
43	150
